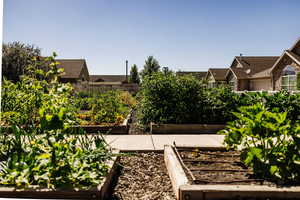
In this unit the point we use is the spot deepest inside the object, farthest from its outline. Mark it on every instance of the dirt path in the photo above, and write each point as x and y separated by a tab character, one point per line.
135	128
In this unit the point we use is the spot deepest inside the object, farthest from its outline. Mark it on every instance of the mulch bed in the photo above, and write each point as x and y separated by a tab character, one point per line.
143	176
218	167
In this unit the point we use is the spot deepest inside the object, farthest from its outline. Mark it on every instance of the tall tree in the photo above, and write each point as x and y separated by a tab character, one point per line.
151	66
15	57
134	75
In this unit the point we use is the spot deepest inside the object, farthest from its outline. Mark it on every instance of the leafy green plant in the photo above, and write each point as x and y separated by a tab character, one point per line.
270	144
36	149
107	107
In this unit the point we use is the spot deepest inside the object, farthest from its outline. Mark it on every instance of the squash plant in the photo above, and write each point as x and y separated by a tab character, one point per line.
36	150
269	142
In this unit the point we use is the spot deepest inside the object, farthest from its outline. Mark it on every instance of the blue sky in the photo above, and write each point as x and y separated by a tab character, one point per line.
189	35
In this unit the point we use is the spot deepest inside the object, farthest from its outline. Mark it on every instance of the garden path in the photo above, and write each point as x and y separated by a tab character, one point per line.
157	142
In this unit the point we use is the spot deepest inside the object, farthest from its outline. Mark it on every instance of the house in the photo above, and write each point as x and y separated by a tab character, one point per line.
75	70
108	79
216	76
251	73
200	75
285	69
100	83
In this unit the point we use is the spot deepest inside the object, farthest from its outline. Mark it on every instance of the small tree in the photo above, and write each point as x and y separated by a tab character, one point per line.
134	75
166	71
15	57
151	66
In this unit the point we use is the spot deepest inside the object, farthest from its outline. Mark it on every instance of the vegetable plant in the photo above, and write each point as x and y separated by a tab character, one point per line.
269	142
107	107
35	148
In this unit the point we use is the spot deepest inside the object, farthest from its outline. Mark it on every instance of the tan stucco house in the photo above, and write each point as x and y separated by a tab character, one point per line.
251	73
216	76
285	69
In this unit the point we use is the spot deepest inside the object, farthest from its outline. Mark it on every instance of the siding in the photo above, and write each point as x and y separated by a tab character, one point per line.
260	84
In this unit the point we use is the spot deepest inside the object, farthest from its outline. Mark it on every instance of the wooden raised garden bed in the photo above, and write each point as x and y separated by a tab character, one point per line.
185	128
110	128
214	174
101	192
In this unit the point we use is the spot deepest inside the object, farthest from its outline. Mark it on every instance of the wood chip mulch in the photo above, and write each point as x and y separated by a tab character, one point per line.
143	176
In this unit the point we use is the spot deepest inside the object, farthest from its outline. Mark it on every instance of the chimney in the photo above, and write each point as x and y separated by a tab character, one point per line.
127	71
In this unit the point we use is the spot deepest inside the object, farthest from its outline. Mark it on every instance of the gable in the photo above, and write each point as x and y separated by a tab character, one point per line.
249	67
210	77
230	76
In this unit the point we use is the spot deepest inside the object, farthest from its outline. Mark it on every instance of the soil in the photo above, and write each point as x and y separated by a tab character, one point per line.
218	167
135	127
143	176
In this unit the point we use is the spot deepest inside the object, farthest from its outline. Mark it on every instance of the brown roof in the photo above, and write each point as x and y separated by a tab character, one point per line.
219	74
296	44
296	57
197	74
253	66
72	67
288	53
107	78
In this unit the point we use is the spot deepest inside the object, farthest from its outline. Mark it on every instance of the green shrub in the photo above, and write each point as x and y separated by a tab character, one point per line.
270	144
167	98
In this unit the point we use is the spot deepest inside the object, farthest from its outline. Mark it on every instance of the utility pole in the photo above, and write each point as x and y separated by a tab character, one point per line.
127	71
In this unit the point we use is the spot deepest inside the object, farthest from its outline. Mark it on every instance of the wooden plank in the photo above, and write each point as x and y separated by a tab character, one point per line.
100	192
216	192
112	129
185	128
175	170
117	129
105	188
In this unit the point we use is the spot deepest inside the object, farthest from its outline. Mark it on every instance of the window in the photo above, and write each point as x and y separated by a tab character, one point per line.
289	79
289	82
231	84
211	84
